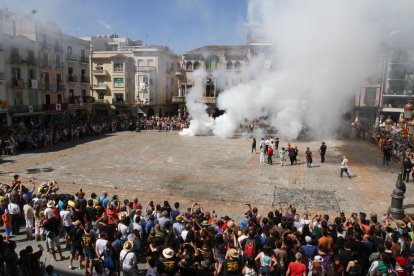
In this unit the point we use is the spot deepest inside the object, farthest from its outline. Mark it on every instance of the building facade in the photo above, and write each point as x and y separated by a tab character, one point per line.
34	70
229	61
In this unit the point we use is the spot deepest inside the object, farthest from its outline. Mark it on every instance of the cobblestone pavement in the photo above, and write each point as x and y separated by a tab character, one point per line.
217	173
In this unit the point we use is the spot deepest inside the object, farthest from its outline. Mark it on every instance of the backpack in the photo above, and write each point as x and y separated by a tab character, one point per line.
108	261
250	248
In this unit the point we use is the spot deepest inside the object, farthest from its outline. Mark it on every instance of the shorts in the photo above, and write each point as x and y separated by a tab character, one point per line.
76	248
7	229
88	253
52	240
67	229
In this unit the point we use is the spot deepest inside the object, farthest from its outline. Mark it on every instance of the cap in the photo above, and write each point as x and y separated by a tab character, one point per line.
318	259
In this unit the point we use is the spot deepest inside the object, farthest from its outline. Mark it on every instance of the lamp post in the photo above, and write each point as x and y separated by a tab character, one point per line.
388	124
397	197
140	103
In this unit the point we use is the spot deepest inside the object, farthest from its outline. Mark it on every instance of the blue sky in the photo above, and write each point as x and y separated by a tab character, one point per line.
181	24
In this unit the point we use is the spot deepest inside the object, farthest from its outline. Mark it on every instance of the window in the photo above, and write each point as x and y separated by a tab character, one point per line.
83	93
70	50
99	66
118	82
16	73
119	97
118	67
71	93
140	62
45	59
59	98
58	63
30	57
32	74
83	54
150	62
101	96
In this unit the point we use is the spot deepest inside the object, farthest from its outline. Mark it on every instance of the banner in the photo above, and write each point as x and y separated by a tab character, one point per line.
58	107
30	108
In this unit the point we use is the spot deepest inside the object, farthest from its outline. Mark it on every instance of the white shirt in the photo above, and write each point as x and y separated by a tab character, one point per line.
28	211
100	246
344	164
14	209
124	230
128	260
66	217
184	234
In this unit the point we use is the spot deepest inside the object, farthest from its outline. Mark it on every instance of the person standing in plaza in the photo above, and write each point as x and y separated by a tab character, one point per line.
344	166
308	156
282	156
262	155
270	155
386	155
29	218
408	166
291	153
14	210
322	151
254	145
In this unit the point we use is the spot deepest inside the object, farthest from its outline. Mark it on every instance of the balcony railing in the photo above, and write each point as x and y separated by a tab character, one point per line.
84	59
56	107
100	86
77	100
71	57
60	87
31	61
14	59
48	87
102	101
46	65
145	68
26	108
100	72
72	79
84	79
119	102
178	99
58	48
17	83
59	65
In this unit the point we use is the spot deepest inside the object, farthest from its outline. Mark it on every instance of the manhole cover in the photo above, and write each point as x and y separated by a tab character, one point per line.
306	199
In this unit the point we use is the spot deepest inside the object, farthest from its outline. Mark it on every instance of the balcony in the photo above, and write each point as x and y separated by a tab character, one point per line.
119	102
84	79
49	88
56	107
102	101
78	100
100	72
58	49
58	65
72	79
26	108
31	61
71	57
210	100
178	99
145	68
17	83
84	59
14	59
46	65
60	87
100	86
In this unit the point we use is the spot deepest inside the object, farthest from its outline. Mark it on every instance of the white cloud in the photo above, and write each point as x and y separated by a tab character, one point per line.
104	24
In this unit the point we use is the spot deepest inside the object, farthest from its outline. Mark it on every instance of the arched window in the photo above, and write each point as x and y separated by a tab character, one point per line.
237	66
196	65
101	96
189	66
229	65
212	62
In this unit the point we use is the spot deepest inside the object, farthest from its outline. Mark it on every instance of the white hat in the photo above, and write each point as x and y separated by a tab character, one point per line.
308	239
168	253
318	259
51	203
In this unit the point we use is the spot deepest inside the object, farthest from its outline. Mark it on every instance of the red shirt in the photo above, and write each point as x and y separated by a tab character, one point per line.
112	215
136	206
296	269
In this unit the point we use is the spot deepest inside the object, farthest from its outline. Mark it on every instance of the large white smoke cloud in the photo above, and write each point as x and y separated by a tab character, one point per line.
323	51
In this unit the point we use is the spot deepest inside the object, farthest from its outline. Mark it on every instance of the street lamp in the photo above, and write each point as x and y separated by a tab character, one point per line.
408	110
388	124
140	103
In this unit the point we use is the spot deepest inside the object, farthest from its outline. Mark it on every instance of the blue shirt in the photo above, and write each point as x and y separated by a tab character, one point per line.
310	251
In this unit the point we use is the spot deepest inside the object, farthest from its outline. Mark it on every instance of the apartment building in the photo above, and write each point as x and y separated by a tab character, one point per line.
127	74
76	78
113	81
34	69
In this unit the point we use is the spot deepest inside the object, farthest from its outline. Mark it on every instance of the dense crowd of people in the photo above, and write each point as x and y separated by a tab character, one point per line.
41	135
107	235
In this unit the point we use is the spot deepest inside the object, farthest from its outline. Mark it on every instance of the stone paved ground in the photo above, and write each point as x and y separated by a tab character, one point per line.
221	175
